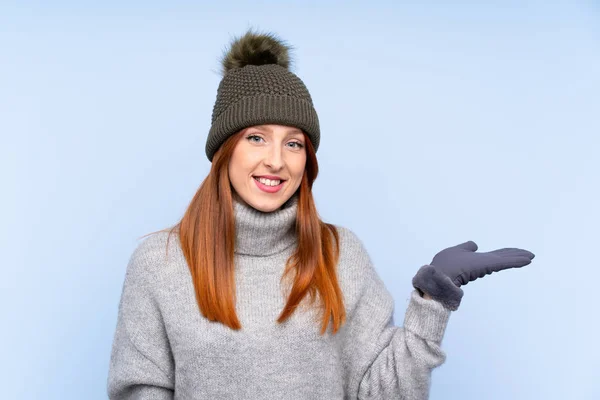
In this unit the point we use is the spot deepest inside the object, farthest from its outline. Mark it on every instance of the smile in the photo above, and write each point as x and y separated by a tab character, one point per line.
269	186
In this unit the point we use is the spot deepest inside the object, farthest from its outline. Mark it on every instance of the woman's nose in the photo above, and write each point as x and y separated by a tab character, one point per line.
274	158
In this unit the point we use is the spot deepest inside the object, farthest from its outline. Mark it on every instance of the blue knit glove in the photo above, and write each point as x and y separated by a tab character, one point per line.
459	265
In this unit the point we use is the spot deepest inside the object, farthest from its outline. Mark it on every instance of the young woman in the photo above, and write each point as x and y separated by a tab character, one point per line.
251	295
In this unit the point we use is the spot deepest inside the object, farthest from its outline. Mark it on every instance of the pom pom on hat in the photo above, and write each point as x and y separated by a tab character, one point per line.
255	49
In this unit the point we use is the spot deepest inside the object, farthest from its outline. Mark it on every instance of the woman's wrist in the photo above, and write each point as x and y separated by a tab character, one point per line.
423	294
436	286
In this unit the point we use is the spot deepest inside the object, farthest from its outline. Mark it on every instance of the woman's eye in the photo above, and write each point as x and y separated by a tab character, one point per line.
253	136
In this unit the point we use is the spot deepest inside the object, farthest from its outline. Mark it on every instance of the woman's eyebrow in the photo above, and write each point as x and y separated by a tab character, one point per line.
295	132
263	128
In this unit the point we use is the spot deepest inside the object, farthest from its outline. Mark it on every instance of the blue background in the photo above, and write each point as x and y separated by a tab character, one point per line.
441	123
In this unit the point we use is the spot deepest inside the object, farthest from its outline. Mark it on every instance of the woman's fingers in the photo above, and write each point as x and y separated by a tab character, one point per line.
470	245
512	262
512	252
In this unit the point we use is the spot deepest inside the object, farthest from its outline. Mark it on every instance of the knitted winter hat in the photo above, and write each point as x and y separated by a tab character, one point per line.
258	88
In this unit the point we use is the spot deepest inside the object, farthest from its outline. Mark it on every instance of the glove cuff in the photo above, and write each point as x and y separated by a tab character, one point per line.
439	286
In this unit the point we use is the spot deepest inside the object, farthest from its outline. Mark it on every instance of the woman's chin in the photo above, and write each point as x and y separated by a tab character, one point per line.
265	202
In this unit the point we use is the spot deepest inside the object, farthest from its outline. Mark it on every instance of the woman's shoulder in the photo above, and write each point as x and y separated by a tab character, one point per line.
356	271
350	243
153	253
348	236
354	257
155	243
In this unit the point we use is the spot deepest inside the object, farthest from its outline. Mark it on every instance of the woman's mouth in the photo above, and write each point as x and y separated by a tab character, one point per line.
267	185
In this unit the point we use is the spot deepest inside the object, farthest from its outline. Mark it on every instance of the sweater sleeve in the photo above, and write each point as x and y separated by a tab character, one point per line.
383	361
141	362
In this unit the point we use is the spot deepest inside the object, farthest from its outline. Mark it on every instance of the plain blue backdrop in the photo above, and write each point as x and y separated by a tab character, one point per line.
441	123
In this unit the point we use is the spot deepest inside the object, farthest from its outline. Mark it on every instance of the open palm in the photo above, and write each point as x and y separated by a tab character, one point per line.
462	264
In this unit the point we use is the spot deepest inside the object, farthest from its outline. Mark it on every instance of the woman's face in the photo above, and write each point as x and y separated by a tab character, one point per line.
267	150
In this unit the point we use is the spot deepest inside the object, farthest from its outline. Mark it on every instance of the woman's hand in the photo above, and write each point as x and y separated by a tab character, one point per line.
462	264
459	265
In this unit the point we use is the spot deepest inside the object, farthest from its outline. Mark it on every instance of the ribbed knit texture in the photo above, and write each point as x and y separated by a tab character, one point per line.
164	348
264	234
255	95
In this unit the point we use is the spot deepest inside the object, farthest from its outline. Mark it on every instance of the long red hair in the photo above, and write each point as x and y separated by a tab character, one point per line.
207	237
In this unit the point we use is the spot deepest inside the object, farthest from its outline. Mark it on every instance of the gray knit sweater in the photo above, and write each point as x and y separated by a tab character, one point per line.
164	348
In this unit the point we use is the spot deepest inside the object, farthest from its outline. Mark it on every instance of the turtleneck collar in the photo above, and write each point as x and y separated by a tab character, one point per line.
261	233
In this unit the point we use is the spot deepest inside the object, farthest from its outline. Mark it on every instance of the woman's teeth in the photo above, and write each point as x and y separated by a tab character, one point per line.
268	182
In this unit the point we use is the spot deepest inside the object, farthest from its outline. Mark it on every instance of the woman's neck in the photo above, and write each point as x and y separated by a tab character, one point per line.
261	233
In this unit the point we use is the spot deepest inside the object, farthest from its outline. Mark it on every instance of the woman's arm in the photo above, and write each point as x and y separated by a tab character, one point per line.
381	360
141	363
403	367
